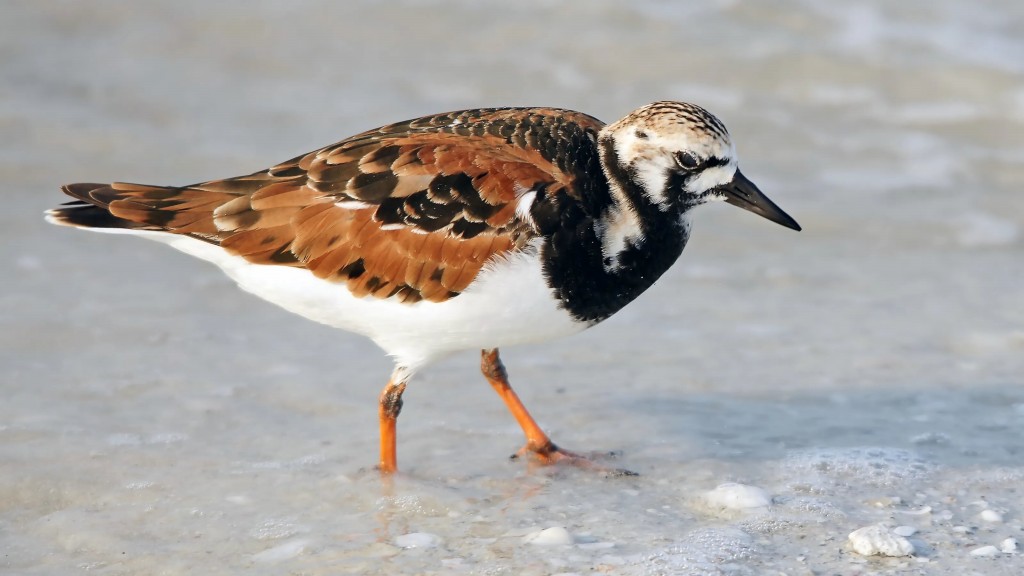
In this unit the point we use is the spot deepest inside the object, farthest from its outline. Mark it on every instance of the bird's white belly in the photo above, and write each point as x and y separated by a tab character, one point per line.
508	303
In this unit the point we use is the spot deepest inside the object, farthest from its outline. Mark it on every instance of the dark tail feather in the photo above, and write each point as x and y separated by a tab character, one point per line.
83	215
86	192
90	210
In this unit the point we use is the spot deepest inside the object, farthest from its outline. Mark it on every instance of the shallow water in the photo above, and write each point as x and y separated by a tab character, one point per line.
869	369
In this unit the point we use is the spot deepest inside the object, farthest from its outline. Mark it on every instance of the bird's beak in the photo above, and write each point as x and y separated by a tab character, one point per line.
742	192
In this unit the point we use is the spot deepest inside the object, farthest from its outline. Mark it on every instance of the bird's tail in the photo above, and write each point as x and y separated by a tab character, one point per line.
91	207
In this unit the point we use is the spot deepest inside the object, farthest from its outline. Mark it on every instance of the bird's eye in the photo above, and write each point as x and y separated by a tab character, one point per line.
686	160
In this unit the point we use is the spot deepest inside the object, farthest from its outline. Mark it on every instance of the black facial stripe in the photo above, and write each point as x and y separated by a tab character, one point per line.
617	172
677	181
713	162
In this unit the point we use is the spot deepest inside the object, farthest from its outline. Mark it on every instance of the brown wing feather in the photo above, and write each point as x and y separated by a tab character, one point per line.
411	210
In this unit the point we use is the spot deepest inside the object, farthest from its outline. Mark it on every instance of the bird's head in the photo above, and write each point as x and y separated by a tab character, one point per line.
679	155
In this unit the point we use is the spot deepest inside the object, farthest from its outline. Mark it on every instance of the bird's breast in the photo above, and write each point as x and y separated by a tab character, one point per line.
594	275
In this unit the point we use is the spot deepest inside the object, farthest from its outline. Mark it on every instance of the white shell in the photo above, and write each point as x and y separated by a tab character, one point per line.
985	551
418	540
281	552
554	536
991	516
733	496
877	540
905	531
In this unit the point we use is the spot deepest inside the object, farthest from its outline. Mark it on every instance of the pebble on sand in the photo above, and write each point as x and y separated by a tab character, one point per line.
554	536
733	496
991	516
878	540
985	551
281	552
905	531
418	540
1008	546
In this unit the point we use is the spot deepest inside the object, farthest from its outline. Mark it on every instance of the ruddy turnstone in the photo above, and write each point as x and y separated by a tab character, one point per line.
467	230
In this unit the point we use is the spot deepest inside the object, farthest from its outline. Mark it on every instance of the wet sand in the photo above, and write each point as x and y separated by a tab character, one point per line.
155	420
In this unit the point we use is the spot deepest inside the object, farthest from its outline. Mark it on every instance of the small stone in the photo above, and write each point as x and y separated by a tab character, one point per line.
554	536
282	552
878	540
905	531
992	516
1008	546
962	529
733	496
418	540
985	551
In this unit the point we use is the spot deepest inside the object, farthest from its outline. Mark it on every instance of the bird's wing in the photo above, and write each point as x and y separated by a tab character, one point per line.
411	210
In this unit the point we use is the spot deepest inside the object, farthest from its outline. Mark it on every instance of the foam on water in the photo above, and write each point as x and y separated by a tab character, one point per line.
853	468
705	552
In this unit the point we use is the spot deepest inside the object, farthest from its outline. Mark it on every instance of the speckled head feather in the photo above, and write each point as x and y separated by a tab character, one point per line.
660	139
667	113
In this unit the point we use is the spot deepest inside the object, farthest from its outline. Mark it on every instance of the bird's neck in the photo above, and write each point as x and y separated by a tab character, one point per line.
619	245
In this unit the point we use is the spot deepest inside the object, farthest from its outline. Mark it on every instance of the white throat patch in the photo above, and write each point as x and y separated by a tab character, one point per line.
618	227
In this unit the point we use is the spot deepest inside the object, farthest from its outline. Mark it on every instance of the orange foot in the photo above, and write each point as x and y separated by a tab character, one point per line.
550	455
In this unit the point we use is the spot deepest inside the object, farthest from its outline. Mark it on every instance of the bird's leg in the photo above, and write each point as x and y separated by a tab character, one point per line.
390	407
537	442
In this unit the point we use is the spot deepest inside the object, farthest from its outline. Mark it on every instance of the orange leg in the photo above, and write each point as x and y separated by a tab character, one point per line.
390	406
538	444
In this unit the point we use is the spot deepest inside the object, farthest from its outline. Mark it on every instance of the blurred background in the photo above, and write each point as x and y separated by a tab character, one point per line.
154	419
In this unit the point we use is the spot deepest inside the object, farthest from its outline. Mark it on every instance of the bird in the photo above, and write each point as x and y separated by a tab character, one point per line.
467	230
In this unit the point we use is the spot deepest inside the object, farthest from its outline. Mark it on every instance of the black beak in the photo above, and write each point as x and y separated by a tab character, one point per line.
742	192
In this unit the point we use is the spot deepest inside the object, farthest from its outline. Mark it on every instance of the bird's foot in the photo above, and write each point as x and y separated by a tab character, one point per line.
548	454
